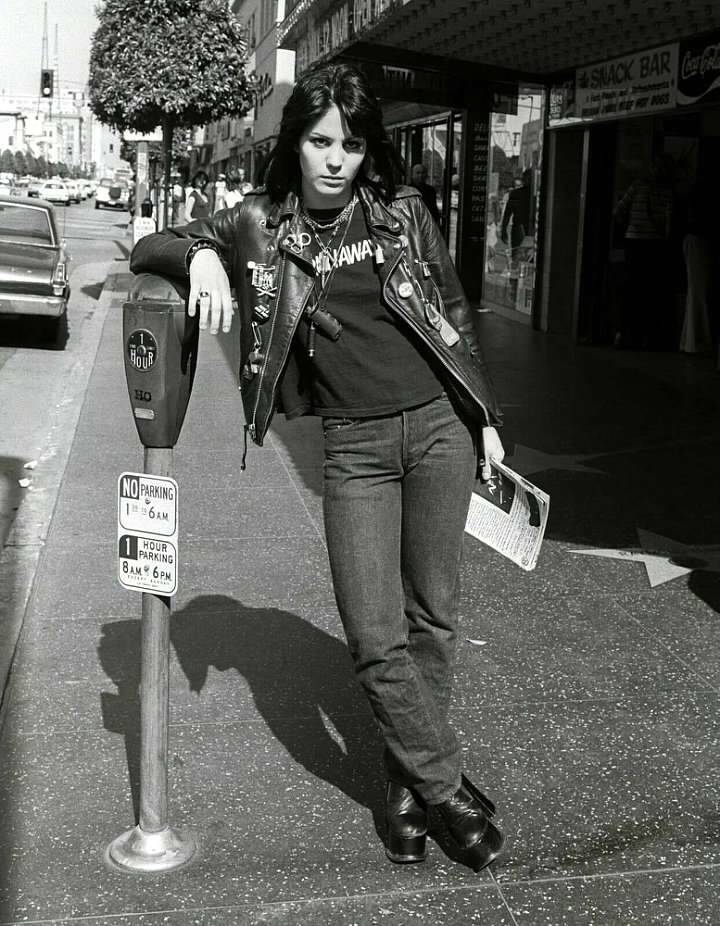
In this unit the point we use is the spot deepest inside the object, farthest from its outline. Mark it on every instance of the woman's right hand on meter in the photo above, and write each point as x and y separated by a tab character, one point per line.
210	291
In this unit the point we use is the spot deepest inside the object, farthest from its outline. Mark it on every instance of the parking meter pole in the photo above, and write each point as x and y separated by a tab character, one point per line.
153	845
160	357
154	687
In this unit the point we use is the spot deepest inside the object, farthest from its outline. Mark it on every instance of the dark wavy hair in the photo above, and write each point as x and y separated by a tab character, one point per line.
314	93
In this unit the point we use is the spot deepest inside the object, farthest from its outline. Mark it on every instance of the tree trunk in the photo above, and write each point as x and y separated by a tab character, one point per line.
167	151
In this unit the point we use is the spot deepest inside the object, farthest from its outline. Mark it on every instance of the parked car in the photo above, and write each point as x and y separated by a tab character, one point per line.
33	265
86	188
35	186
7	186
55	191
112	193
73	191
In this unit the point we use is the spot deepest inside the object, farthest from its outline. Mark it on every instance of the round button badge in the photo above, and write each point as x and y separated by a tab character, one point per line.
405	290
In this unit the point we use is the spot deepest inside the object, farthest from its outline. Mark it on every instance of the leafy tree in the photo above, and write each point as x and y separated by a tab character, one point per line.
20	164
31	165
61	169
42	167
172	63
7	161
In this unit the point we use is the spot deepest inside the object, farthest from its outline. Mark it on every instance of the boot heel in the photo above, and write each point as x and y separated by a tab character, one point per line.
406	820
404	850
487	849
485	802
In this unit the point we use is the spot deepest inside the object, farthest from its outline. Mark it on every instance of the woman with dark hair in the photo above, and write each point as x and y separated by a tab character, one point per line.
197	204
350	309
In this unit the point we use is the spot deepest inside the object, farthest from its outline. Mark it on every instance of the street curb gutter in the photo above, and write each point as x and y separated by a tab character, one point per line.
21	558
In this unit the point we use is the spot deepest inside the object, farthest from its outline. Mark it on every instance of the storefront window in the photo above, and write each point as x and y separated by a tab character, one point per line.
431	153
512	203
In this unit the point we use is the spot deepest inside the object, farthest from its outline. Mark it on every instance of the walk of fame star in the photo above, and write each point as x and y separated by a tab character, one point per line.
664	559
528	460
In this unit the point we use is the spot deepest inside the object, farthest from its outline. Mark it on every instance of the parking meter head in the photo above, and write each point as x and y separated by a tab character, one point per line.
160	344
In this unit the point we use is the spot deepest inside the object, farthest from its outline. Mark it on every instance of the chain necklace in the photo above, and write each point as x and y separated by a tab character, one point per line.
335	223
325	262
326	267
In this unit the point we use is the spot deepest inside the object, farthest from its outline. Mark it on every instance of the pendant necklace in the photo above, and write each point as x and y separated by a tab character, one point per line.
325	265
325	262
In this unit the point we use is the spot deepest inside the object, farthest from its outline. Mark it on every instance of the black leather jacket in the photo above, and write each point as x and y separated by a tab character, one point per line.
416	280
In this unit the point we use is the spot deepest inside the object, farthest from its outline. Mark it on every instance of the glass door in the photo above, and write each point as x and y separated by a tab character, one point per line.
431	152
514	170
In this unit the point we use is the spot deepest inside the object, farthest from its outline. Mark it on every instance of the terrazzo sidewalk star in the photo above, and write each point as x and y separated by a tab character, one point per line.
528	460
664	559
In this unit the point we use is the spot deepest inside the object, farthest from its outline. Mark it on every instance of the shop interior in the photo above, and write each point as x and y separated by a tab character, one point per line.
513	204
659	293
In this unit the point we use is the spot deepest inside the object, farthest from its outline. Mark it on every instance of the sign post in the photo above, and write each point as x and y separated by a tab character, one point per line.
147	561
160	350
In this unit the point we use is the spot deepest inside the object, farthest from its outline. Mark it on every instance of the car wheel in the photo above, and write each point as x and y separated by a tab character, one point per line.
55	331
97	205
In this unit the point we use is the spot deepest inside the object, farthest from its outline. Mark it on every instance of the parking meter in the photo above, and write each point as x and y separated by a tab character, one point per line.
160	352
160	344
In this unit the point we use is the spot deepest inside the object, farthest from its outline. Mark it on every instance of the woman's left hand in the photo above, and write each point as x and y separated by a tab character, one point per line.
492	450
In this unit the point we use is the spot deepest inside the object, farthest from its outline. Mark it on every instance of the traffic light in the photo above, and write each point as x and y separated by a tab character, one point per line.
46	84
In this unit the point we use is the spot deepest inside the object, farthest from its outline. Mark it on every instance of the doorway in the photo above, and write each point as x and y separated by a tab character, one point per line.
436	145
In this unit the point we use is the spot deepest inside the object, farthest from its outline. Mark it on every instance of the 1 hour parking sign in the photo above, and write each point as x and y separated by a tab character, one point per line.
148	533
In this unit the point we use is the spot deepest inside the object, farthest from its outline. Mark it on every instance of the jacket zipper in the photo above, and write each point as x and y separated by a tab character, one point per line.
252	427
445	361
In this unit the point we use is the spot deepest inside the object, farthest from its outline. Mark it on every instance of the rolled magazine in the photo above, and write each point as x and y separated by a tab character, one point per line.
509	514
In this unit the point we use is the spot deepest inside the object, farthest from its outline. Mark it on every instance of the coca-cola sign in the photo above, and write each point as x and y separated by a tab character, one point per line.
699	69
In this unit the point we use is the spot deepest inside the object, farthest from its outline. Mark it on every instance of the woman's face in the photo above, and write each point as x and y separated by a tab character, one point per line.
330	157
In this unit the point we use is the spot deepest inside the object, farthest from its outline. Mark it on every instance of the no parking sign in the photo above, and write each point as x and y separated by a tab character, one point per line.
148	533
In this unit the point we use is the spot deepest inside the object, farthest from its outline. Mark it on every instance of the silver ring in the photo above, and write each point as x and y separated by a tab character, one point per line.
203	295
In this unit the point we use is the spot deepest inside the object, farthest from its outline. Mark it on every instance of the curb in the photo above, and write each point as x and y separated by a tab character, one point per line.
21	557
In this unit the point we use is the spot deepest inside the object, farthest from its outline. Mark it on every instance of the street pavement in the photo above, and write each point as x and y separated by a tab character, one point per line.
587	690
41	393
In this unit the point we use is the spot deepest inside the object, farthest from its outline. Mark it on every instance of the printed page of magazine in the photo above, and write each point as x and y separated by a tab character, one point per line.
509	514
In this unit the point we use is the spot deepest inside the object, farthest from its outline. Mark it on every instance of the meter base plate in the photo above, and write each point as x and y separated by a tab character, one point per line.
138	851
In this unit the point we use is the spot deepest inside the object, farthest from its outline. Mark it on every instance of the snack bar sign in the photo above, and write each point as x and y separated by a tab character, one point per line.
629	86
148	533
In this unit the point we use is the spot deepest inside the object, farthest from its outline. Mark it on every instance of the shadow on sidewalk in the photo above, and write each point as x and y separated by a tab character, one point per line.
301	680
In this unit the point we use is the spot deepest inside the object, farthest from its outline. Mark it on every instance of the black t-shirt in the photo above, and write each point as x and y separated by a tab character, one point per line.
376	367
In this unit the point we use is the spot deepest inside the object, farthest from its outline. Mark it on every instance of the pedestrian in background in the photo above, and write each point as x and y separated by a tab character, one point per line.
645	213
219	194
419	176
197	203
337	273
701	249
516	218
233	196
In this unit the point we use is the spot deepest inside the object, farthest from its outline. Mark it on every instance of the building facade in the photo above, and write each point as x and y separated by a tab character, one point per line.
63	130
12	130
533	120
240	146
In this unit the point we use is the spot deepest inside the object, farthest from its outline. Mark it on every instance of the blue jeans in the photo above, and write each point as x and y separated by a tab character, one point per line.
397	491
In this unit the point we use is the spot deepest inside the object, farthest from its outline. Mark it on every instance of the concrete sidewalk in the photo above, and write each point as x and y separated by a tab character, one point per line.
587	698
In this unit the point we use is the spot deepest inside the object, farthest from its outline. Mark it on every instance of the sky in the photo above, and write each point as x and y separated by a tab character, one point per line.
21	32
